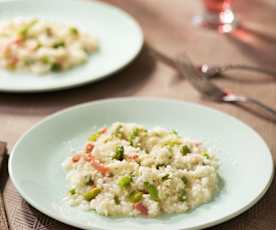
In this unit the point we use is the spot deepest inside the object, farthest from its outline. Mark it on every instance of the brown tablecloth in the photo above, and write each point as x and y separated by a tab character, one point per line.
167	27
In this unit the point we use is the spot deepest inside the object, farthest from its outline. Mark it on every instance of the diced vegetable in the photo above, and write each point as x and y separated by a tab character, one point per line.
134	135
134	157
152	190
100	167
72	191
135	196
182	195
103	130
116	199
59	44
166	177
76	158
89	147
124	181
45	60
174	132
119	153
91	194
88	180
28	61
95	136
206	154
23	32
55	67
73	31
185	150
97	165
118	132
184	180
160	165
172	143
141	208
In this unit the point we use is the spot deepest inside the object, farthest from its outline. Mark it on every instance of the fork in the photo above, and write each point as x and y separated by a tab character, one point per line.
211	71
205	87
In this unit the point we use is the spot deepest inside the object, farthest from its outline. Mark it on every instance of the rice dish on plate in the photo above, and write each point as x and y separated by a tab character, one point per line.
128	170
40	46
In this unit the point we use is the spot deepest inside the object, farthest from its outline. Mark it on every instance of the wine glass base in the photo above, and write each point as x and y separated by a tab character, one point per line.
223	22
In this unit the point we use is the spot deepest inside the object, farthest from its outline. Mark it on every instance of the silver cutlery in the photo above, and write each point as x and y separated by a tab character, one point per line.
207	88
201	83
3	215
211	71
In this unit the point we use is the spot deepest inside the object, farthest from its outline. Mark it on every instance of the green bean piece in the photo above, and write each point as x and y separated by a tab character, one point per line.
170	144
94	136
135	196
72	191
152	190
124	181
119	153
185	150
91	194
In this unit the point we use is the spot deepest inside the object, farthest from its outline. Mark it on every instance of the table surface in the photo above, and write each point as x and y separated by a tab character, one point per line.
167	26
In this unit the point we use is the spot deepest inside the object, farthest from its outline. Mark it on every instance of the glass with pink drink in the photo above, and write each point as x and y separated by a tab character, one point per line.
218	14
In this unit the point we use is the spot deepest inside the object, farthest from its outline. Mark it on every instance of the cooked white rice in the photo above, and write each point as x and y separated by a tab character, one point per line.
39	46
127	170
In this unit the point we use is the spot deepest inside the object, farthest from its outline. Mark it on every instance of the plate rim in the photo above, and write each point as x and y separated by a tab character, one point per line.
89	80
142	99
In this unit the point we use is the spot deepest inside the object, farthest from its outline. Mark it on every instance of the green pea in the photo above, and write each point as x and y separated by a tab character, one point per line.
206	154
185	150
134	134
119	153
152	190
91	194
135	196
124	181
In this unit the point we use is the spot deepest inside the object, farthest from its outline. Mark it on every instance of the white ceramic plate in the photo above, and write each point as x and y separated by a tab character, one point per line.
246	163
120	40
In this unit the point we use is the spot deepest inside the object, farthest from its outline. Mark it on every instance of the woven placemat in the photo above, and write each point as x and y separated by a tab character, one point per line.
21	216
